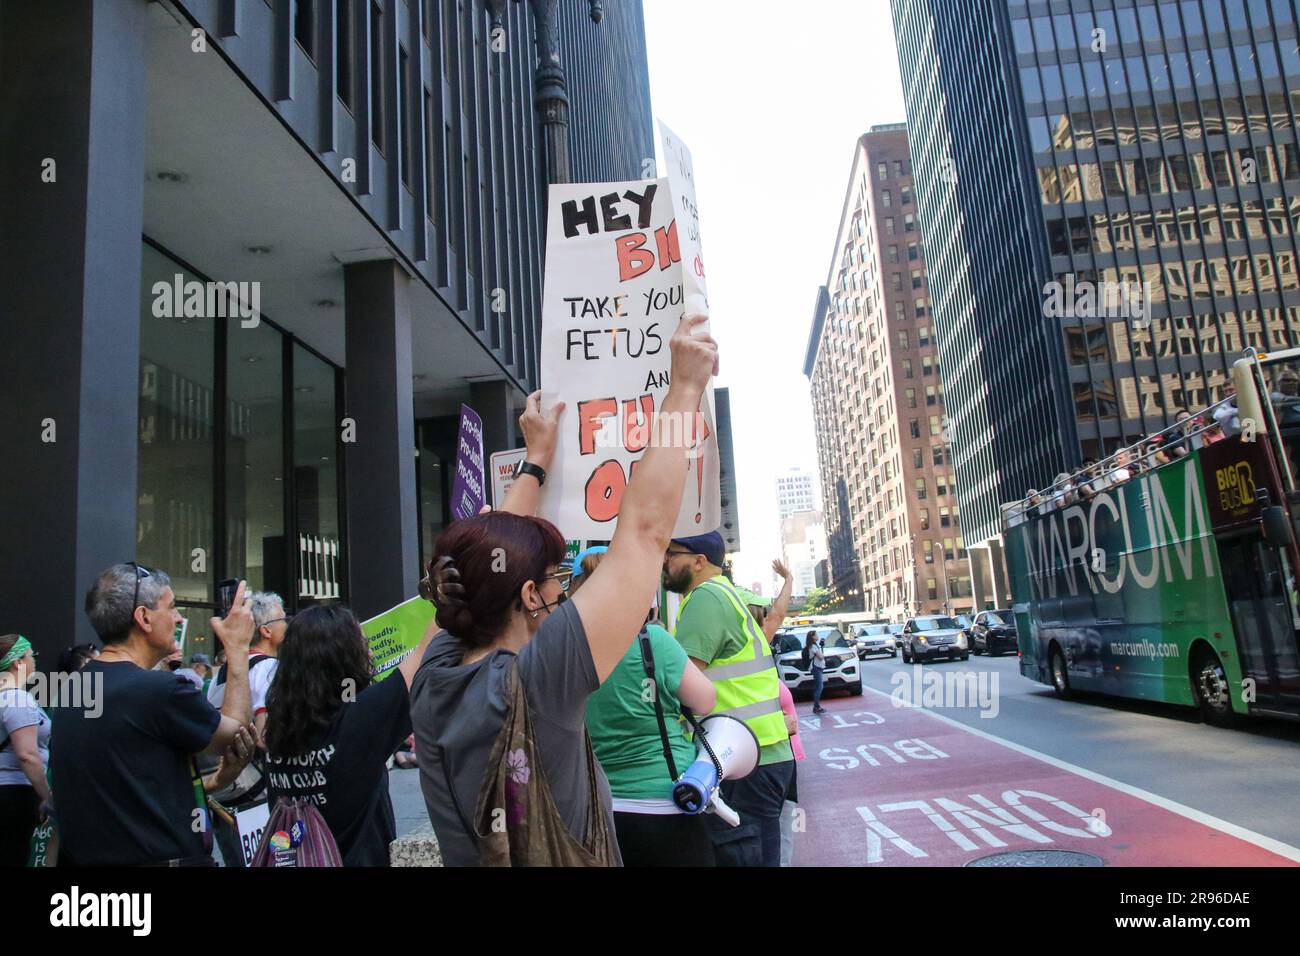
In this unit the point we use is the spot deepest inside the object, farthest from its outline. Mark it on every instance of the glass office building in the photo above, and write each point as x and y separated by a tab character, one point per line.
1104	142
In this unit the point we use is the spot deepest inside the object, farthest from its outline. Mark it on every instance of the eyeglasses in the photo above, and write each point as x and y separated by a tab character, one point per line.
287	618
564	576
141	572
670	554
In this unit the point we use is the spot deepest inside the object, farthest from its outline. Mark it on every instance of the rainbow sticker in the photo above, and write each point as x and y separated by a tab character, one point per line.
280	840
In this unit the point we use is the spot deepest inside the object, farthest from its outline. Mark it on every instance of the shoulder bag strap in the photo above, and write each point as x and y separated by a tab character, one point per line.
648	662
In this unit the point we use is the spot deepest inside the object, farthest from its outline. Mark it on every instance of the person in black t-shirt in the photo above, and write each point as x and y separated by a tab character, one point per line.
122	768
330	730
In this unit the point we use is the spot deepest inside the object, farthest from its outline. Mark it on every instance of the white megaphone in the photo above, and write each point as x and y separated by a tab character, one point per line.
728	750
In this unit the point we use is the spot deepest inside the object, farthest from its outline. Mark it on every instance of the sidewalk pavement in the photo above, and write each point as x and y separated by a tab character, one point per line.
408	801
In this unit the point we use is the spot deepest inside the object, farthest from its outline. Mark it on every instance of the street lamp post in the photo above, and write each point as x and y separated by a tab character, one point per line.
943	567
550	93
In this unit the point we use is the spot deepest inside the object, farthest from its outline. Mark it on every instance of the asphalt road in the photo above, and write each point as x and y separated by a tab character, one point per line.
1164	788
1125	782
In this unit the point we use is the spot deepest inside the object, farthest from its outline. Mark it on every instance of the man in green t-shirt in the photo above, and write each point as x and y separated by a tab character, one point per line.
717	631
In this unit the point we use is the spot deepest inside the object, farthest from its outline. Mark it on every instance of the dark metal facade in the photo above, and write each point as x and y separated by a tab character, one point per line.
1002	365
425	116
611	128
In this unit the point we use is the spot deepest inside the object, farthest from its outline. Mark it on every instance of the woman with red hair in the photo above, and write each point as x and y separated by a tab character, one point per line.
499	702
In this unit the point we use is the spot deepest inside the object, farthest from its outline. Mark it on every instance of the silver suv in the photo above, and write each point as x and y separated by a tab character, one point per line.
875	639
931	637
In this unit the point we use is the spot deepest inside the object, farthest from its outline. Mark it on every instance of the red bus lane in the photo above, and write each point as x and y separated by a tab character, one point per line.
899	786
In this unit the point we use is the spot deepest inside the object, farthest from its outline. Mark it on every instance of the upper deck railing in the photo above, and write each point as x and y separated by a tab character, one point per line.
1147	454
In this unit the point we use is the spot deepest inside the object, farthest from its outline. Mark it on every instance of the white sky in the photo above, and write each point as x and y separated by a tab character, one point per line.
770	98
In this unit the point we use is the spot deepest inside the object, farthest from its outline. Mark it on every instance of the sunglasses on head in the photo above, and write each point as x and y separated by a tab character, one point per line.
141	572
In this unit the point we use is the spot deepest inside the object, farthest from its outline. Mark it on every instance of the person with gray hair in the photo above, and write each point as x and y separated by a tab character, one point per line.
269	624
249	789
123	771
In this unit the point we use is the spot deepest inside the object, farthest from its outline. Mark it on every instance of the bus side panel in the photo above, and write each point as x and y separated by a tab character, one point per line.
1124	583
1032	643
1171	591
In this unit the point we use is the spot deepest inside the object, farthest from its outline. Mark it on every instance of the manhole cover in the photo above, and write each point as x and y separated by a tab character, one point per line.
1039	858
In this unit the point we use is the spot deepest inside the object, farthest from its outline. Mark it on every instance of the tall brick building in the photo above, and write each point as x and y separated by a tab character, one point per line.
889	495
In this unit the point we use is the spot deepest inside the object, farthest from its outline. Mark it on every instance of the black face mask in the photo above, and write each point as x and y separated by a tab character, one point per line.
556	603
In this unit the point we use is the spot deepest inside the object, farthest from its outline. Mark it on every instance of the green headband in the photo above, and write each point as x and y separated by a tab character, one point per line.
17	652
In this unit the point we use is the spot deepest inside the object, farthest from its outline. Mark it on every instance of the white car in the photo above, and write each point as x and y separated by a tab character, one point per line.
875	639
841	659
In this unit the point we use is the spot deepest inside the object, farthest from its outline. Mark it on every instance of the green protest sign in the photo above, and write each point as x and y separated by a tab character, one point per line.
395	633
43	841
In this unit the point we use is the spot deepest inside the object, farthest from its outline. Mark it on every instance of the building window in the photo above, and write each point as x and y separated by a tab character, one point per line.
923	335
431	130
254	442
917	458
886	200
934	424
917	281
905	195
378	76
195	414
920	489
915	427
932	586
343	67
924	515
938	455
889	225
882	170
176	484
304	27
909	223
893	253
927	365
316	478
907	368
930	397
903	341
406	115
944	519
898	167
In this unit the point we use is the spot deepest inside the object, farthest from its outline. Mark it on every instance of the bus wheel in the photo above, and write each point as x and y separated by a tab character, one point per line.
1060	676
1213	695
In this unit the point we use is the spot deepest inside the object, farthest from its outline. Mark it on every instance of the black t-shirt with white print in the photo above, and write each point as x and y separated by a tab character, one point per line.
345	775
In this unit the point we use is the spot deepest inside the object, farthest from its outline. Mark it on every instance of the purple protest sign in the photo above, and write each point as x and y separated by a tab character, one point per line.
467	494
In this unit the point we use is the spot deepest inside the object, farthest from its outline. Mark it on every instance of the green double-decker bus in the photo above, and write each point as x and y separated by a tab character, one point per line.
1178	583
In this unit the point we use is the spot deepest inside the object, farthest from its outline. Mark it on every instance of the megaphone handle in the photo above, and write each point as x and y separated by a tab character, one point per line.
724	812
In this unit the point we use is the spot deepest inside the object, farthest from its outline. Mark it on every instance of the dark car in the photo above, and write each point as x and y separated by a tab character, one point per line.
993	632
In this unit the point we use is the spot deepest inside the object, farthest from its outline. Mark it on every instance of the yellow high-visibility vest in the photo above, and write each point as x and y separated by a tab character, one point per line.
747	682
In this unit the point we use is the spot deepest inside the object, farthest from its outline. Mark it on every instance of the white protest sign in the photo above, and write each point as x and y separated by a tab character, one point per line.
612	300
251	823
681	177
502	466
